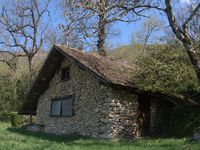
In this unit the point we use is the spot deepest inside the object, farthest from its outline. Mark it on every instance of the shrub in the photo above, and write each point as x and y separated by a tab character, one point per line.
167	71
184	121
4	117
13	117
26	119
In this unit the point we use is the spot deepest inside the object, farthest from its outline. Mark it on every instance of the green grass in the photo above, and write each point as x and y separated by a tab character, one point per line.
18	139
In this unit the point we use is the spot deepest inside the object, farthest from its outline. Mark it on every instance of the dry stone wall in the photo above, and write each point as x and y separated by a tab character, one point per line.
99	110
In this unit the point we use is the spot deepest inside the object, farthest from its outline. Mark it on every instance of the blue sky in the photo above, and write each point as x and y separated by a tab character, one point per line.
125	29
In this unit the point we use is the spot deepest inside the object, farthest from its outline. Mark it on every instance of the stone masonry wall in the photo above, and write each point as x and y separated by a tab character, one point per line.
99	110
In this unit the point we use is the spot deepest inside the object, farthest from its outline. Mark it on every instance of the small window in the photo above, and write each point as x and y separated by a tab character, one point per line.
62	108
65	74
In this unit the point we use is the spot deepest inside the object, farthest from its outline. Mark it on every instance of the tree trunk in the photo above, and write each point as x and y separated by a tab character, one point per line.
183	35
30	65
31	119
102	32
15	94
144	48
193	58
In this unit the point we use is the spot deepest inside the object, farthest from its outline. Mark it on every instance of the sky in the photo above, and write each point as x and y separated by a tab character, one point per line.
126	30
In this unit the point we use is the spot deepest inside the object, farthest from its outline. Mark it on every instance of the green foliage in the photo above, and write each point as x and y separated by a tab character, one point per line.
15	83
13	117
4	117
12	91
183	122
165	70
26	119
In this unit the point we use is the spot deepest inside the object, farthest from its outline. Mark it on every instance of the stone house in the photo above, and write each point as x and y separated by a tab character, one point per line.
78	92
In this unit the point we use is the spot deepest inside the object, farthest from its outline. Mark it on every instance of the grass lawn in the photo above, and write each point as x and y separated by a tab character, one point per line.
18	139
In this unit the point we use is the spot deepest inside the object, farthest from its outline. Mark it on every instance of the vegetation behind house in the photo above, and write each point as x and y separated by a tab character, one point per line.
162	69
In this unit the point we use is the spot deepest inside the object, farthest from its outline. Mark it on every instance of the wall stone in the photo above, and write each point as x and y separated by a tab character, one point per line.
99	110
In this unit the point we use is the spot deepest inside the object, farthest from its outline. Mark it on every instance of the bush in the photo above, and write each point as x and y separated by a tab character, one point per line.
4	117
183	122
26	119
13	117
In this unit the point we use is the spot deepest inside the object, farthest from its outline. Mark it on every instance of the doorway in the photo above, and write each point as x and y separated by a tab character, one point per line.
143	117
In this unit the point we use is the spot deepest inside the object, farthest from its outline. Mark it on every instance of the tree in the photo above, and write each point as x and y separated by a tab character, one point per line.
149	27
166	70
181	30
91	19
181	14
23	28
182	33
57	36
13	85
9	59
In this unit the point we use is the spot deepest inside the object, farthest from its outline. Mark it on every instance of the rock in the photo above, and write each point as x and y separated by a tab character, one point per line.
96	110
105	128
106	136
196	136
34	128
105	120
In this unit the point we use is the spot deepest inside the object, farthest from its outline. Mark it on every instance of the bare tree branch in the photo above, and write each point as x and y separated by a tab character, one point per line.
92	18
22	23
181	33
185	24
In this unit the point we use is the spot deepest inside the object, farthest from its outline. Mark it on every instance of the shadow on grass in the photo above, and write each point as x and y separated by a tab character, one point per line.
47	136
71	139
77	140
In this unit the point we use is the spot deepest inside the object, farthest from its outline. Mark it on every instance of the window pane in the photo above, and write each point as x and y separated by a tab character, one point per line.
55	108
67	107
65	73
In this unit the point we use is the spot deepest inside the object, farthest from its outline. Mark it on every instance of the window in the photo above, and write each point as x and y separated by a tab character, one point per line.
62	107
55	108
65	74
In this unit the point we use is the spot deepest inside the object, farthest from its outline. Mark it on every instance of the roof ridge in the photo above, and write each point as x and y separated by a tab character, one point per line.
98	56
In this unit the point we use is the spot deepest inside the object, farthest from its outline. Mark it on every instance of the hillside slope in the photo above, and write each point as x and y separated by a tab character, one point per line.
128	53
